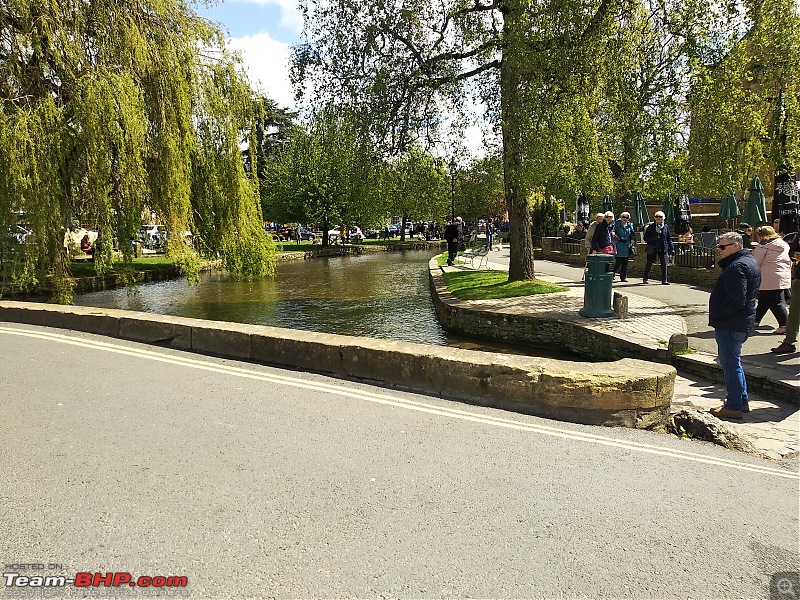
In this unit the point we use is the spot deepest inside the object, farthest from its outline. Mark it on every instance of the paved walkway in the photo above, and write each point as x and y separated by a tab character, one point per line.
657	311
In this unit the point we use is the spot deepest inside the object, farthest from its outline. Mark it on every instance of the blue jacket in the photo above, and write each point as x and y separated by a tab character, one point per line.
601	238
624	239
732	304
658	243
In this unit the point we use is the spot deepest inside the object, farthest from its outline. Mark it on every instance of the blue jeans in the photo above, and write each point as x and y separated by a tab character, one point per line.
729	349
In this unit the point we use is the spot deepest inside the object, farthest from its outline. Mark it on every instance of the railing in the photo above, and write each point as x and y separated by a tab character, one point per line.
695	257
572	247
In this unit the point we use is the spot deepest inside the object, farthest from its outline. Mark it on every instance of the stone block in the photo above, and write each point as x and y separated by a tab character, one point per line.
79	318
223	338
165	330
298	349
678	342
620	305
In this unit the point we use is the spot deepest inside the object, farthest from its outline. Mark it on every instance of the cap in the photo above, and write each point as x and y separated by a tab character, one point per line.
744	225
458	219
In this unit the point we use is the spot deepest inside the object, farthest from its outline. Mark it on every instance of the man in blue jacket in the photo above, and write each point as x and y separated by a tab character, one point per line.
732	314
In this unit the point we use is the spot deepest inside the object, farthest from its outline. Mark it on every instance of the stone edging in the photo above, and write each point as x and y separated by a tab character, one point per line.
629	393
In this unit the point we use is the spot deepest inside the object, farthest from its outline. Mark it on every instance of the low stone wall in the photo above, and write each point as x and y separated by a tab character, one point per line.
629	392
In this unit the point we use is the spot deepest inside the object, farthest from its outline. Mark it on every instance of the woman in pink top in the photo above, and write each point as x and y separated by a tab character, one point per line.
772	255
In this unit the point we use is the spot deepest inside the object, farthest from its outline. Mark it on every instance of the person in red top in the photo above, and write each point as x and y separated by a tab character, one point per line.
86	246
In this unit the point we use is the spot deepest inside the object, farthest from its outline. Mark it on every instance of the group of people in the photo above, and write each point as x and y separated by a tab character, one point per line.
605	236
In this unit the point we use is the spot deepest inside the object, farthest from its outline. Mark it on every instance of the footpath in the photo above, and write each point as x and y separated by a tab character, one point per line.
655	312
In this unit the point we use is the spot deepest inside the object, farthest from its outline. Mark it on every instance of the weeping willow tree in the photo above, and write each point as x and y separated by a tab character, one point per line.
113	107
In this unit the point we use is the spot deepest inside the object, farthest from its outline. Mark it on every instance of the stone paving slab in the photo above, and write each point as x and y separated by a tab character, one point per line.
773	427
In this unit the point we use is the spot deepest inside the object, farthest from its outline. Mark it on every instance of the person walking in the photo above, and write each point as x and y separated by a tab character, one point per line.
590	233
623	232
787	346
452	234
603	235
772	256
489	234
659	244
732	314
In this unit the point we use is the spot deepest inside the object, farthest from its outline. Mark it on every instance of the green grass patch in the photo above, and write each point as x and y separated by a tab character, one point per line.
490	285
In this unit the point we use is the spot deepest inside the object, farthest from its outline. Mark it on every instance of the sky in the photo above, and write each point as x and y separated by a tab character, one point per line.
263	32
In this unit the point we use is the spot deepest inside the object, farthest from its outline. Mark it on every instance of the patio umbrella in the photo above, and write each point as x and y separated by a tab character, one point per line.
607	204
562	215
729	208
669	211
639	217
755	210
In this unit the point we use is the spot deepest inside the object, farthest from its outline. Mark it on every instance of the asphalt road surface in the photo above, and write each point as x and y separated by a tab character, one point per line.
256	482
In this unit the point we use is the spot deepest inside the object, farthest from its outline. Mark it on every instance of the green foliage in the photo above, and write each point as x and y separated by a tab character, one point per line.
545	215
416	187
109	108
745	100
327	175
479	189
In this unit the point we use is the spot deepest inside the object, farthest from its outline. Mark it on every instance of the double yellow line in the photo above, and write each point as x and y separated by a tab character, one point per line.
390	400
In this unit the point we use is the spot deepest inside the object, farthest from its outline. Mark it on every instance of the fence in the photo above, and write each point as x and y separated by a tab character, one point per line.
695	257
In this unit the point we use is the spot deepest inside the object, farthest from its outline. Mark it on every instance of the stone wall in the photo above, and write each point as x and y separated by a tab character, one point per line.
628	392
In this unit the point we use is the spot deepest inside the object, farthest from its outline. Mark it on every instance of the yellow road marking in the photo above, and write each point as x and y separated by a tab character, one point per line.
395	401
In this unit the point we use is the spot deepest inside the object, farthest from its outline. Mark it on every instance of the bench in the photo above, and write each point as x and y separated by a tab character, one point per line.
474	252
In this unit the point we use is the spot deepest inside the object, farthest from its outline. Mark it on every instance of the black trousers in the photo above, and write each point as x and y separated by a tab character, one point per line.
621	265
452	250
772	300
651	258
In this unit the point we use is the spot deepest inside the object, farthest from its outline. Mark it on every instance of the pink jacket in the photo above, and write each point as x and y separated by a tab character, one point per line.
776	266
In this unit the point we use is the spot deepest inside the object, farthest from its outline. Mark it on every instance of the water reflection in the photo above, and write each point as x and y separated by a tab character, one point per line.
381	295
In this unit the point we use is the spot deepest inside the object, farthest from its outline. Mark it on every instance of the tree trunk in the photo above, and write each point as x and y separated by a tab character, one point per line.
520	266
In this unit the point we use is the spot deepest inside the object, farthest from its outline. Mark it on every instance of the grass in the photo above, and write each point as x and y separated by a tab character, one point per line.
490	285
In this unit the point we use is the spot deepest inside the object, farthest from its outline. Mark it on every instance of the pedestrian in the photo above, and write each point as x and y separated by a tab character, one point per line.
489	234
787	346
732	314
659	244
604	234
590	233
772	256
452	234
578	234
747	235
625	248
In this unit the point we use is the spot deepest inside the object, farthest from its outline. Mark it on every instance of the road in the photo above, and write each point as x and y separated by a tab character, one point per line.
258	482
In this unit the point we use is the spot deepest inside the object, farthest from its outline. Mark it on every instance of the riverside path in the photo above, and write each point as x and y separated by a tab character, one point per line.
256	482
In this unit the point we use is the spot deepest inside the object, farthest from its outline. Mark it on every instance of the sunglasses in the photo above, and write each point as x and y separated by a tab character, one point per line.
624	217
723	246
659	217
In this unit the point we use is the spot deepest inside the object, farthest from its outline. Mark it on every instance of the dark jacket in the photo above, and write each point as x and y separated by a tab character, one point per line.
732	304
452	233
658	242
601	238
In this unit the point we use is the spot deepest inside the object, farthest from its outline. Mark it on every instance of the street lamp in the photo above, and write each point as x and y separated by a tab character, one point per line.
452	191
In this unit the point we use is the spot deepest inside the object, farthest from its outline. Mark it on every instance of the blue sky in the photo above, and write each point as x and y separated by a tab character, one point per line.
262	31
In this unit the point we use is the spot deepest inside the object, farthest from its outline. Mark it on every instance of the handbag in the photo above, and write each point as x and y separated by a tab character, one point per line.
633	252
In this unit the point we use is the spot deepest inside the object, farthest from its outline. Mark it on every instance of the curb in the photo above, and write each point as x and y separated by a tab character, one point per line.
630	393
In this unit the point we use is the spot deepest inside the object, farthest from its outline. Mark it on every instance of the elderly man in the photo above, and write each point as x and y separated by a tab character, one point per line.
732	313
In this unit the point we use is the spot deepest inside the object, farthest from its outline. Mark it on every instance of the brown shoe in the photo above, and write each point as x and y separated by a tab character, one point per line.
726	413
785	348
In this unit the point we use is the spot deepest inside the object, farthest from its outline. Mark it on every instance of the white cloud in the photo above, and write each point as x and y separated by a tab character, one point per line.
291	17
266	62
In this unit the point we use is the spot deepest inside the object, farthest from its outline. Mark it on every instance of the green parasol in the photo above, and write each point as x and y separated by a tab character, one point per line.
607	204
639	216
755	210
669	211
729	208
